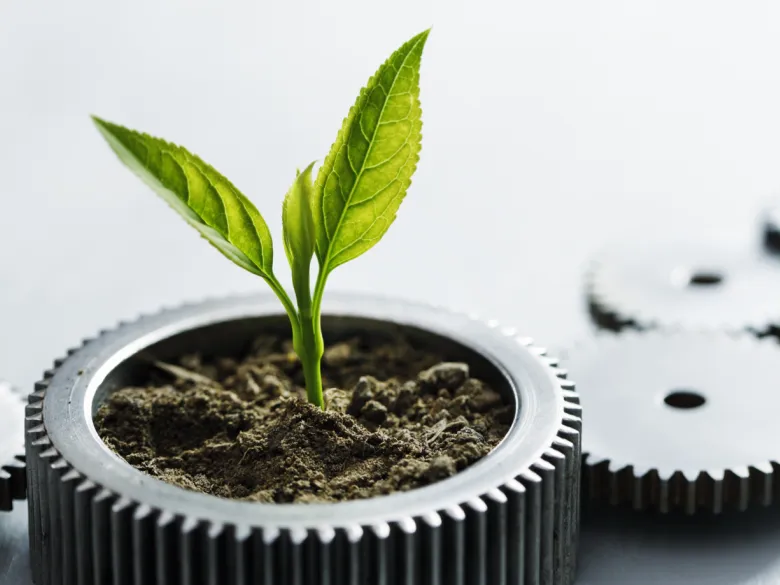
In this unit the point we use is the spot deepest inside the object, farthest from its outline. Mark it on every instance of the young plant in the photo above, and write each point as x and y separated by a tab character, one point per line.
336	218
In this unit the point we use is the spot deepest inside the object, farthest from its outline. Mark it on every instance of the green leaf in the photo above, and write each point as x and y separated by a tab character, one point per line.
200	194
366	175
298	230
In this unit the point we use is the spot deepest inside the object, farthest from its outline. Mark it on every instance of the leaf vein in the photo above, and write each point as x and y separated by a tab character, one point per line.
371	144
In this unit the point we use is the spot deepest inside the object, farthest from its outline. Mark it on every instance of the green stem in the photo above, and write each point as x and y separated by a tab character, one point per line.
309	344
319	289
310	353
307	339
289	307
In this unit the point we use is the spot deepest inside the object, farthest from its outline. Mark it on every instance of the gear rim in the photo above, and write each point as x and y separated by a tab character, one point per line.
531	510
649	287
634	473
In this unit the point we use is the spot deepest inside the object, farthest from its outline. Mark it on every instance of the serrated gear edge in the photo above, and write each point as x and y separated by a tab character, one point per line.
643	488
602	310
712	491
523	532
611	315
13	485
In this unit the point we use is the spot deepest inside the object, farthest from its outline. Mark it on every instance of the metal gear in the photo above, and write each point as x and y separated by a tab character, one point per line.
685	285
12	478
679	421
771	227
512	518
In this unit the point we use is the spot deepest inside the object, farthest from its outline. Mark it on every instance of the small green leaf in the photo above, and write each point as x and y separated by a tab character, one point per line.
366	175
298	229
200	194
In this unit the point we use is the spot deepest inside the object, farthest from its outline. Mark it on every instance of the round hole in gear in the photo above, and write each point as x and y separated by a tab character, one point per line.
684	399
705	278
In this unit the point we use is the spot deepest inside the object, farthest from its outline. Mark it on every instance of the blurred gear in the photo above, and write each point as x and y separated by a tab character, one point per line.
771	227
12	478
679	420
685	286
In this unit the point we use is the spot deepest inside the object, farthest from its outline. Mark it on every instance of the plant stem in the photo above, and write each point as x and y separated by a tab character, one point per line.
319	289
310	352
289	307
308	343
307	337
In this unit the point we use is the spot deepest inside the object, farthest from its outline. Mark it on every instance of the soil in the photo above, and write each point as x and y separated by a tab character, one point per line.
397	418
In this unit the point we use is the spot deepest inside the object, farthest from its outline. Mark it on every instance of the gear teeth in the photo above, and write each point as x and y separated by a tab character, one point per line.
13	482
599	308
770	221
612	309
738	487
762	480
476	541
454	543
524	341
13	485
431	560
523	532
378	543
714	490
535	509
665	489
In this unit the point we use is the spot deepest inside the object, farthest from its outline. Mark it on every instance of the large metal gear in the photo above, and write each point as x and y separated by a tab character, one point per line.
510	519
668	285
12	477
679	421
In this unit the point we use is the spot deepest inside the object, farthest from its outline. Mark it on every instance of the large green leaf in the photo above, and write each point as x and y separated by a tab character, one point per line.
200	194
298	230
366	175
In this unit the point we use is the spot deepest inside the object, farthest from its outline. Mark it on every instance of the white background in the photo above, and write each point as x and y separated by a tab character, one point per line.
550	129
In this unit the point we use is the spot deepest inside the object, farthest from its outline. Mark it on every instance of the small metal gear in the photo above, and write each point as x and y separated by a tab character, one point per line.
12	478
512	518
682	285
679	421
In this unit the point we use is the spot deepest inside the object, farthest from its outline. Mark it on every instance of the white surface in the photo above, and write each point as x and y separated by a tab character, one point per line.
550	128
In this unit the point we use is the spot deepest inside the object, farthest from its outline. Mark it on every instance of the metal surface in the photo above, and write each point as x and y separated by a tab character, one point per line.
680	420
618	547
12	482
695	286
622	547
510	518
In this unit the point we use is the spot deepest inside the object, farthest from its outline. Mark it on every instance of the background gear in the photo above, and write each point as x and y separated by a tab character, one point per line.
685	285
12	478
771	227
680	420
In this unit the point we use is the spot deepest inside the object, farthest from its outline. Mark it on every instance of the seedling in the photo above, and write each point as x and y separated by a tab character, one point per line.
338	217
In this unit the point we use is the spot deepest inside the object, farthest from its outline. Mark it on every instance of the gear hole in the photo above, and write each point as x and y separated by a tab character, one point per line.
705	278
684	399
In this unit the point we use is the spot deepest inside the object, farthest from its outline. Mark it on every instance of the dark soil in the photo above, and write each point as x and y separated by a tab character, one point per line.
397	418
